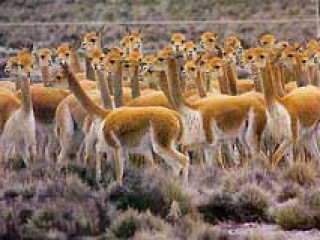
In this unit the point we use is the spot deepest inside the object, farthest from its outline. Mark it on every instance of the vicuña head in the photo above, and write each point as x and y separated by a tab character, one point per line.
190	69
44	56
96	57
25	63
233	42
177	42
11	66
215	67
190	50
91	39
208	41
267	40
63	53
130	62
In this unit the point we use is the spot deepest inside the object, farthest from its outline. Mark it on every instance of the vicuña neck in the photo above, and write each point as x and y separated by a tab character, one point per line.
268	88
26	102
104	90
277	75
84	99
224	82
89	69
75	62
164	86
118	91
135	88
174	84
200	85
232	77
300	75
45	71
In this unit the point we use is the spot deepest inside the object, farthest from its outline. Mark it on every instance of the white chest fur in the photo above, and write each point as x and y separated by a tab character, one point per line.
19	126
279	122
193	127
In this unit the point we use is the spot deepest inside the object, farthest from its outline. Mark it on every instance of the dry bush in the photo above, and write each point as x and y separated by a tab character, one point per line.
311	199
288	191
75	189
253	203
293	215
234	180
151	189
220	207
302	173
130	222
250	204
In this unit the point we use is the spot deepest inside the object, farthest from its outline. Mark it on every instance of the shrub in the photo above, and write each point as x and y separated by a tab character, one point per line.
233	181
301	173
220	207
16	189
312	200
9	223
288	191
253	203
75	189
44	218
293	215
150	189
128	223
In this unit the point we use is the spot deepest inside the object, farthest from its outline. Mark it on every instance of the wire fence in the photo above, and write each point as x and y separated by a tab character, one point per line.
142	23
156	33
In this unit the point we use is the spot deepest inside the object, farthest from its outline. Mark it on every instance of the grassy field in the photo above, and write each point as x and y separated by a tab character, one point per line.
45	202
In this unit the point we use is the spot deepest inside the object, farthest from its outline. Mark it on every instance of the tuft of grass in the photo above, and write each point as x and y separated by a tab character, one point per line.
150	189
130	222
44	218
220	207
253	203
312	200
234	180
288	191
302	173
75	189
293	215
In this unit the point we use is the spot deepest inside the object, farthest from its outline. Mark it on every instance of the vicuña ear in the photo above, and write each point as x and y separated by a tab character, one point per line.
128	31
101	30
105	50
75	43
30	47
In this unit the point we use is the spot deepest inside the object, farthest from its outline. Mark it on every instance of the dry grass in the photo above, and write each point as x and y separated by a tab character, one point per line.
302	173
293	215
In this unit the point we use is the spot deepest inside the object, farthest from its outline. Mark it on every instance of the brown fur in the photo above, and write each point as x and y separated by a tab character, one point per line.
45	102
119	123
